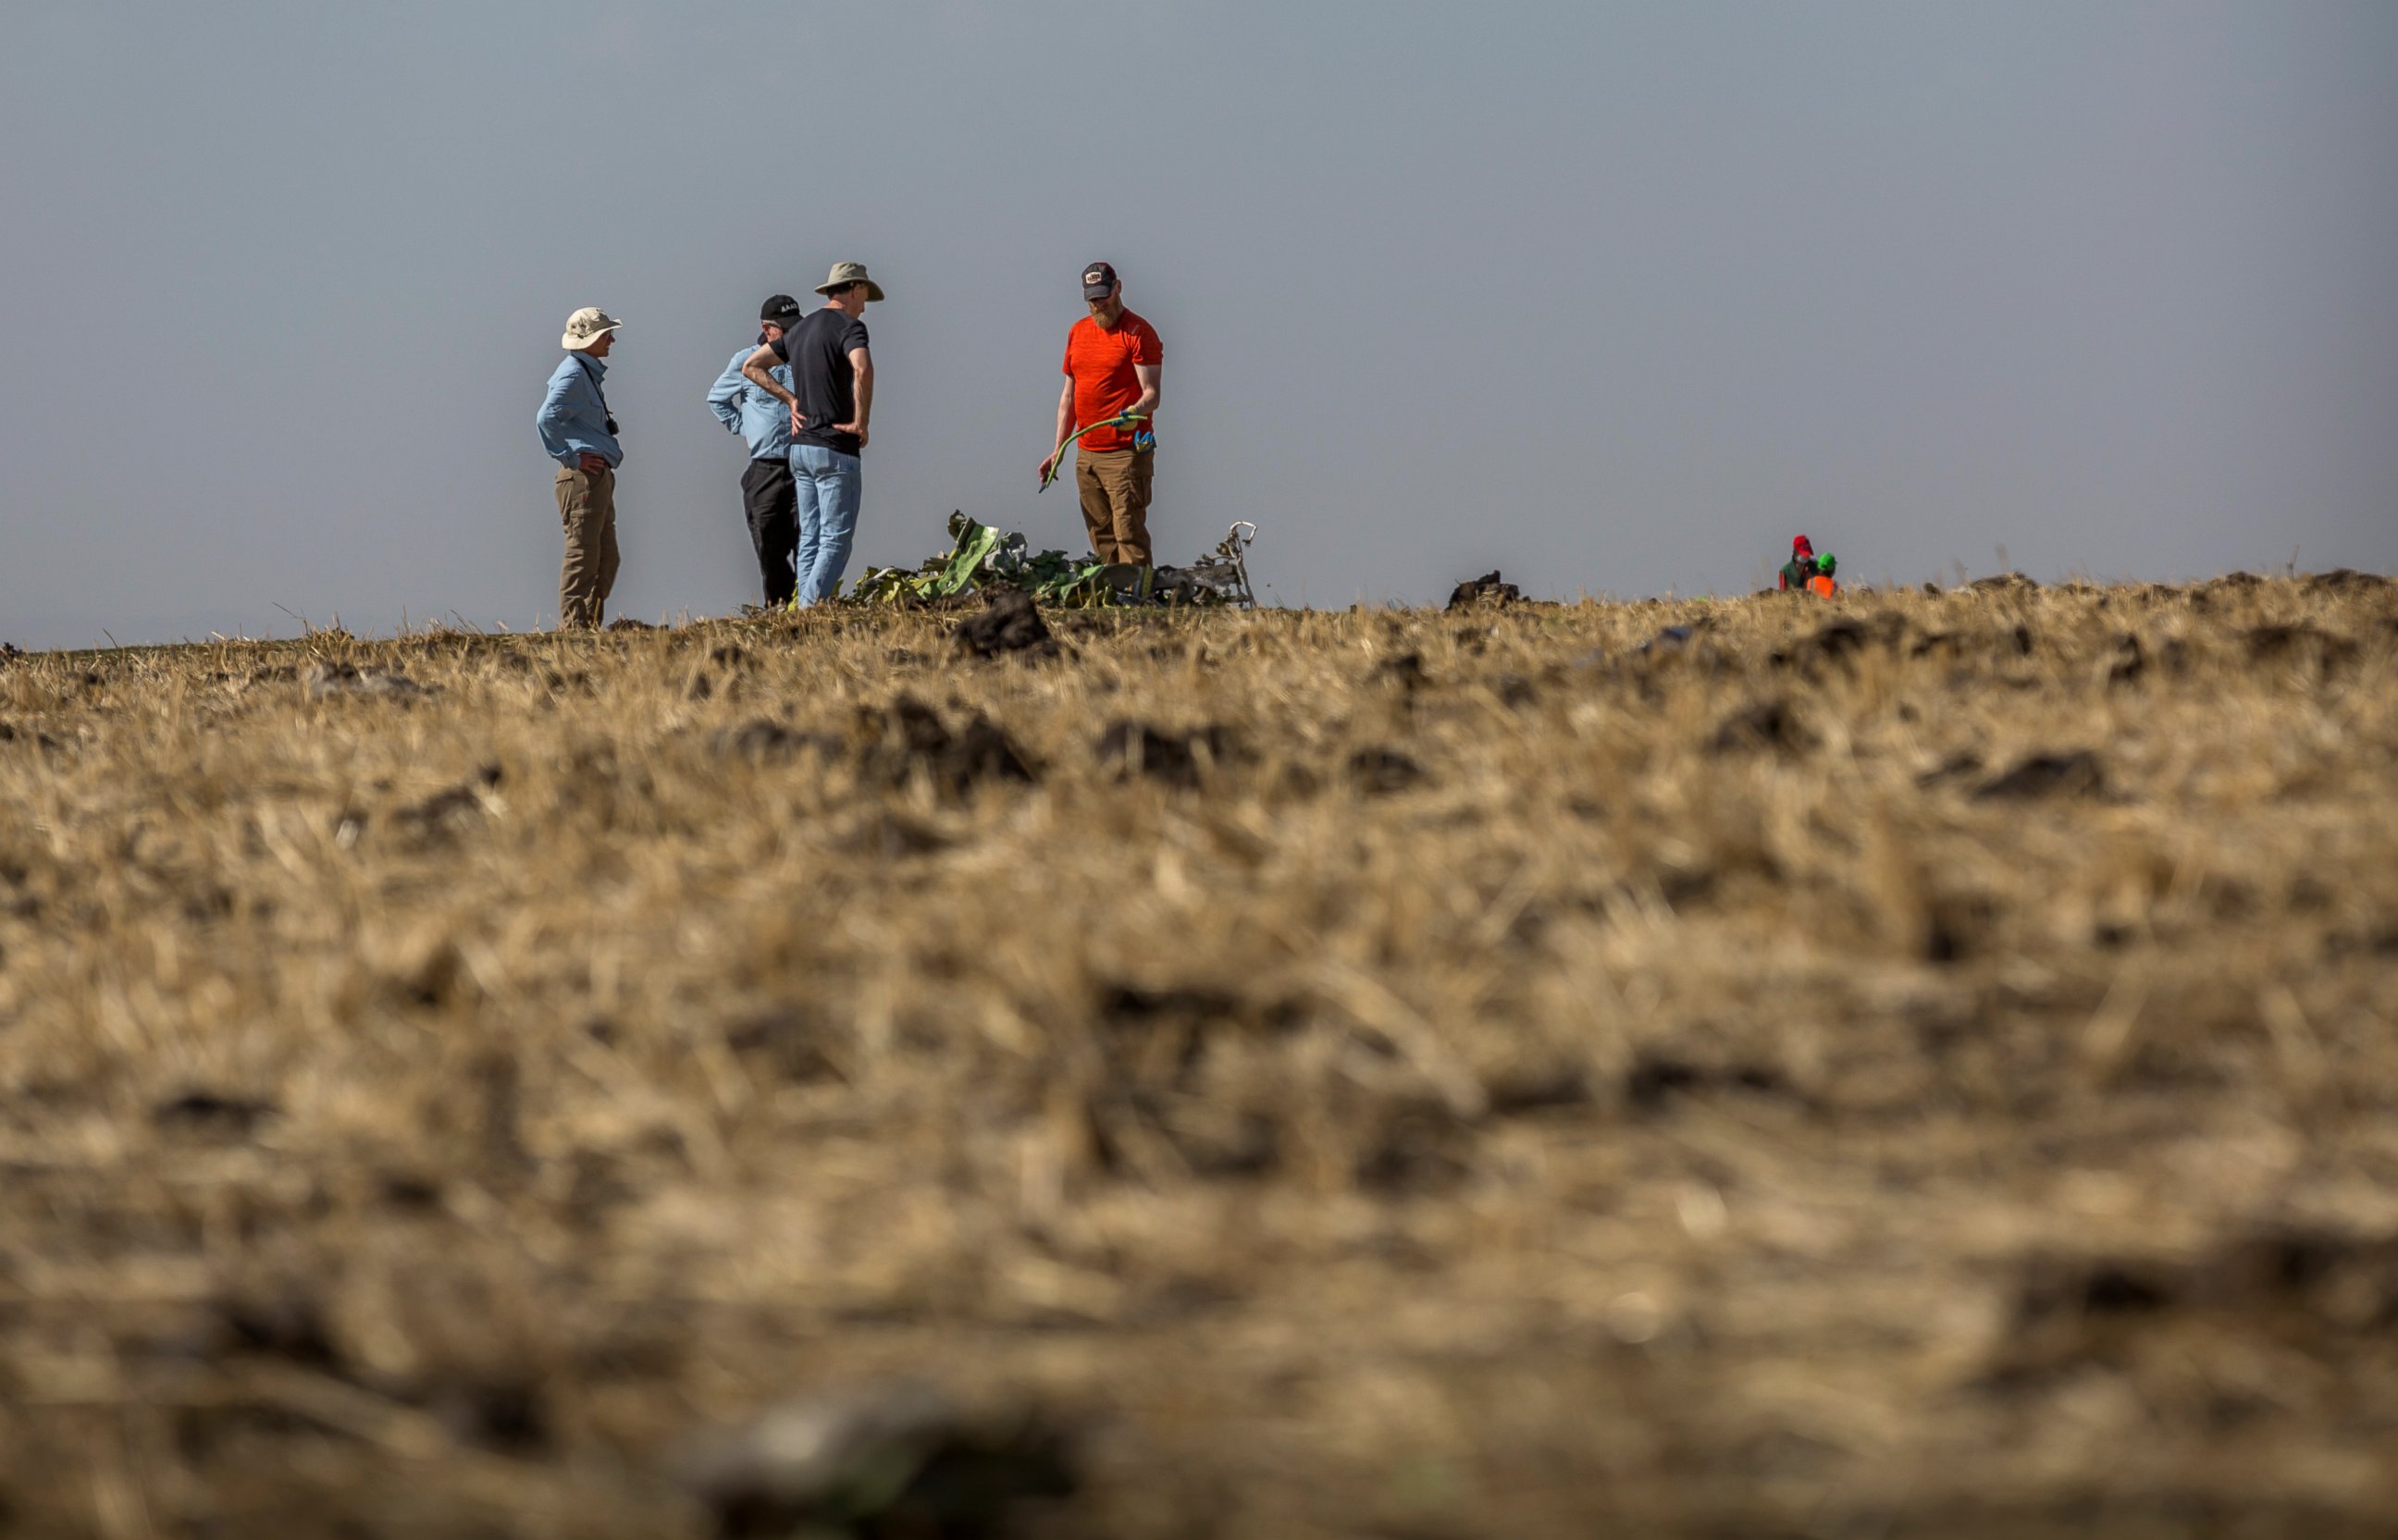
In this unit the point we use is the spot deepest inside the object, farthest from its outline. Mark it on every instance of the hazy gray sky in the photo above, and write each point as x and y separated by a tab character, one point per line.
1615	298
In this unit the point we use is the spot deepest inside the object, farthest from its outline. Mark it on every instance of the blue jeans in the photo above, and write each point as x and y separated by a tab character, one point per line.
828	484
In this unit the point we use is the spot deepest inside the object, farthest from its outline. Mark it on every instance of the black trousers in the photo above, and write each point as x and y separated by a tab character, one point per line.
774	510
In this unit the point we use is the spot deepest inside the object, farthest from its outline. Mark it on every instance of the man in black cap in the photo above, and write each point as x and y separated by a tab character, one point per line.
1113	364
767	496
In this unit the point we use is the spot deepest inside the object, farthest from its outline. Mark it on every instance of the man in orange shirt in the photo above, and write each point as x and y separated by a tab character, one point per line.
1112	358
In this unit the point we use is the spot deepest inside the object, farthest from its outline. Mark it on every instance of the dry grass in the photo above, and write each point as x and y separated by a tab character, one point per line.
1522	1085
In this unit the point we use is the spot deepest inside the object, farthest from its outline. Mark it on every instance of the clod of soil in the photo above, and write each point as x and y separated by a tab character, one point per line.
909	738
2319	1288
284	1323
1488	589
793	1042
1176	758
765	739
1414	1145
503	1413
1407	1165
1958	925
1962	766
1406	671
2307	646
1548	1090
212	1112
1657	1078
886	834
1774	724
1377	771
882	1462
448	812
1010	626
328	677
2078	773
453	809
1832	642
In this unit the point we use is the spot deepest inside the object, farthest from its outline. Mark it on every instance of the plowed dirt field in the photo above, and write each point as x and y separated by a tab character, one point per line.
1921	1064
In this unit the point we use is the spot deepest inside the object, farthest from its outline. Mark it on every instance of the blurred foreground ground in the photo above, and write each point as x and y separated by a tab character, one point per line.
1919	1065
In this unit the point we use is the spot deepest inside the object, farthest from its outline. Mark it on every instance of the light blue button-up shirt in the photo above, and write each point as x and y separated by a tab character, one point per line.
574	420
741	406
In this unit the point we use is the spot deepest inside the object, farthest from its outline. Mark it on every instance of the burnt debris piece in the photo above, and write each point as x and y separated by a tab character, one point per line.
1673	639
1009	625
1488	589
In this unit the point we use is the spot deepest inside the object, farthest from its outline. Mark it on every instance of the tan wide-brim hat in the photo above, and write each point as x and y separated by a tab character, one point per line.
586	327
846	274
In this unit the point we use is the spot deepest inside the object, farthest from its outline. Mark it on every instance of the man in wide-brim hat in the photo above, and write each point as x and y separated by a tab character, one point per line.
831	397
578	432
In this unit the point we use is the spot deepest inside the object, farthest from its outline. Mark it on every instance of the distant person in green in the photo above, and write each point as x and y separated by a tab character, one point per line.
1801	568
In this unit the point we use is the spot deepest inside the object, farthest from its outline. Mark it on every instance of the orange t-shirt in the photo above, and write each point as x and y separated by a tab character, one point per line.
1099	362
1821	586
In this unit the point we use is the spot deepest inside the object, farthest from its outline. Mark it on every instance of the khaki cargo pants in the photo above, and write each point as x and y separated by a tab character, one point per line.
586	505
1114	485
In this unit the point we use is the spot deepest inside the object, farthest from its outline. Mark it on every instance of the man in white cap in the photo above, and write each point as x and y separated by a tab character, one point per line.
831	396
578	432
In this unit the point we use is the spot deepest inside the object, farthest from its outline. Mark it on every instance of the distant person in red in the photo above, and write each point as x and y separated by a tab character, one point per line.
1801	568
1113	360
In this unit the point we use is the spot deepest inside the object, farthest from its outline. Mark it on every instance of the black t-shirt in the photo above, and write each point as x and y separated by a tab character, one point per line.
817	349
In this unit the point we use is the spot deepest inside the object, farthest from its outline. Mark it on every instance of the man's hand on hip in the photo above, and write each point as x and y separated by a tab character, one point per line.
857	428
593	462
